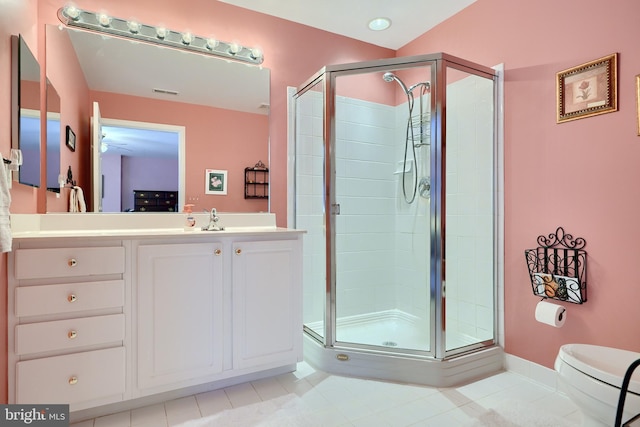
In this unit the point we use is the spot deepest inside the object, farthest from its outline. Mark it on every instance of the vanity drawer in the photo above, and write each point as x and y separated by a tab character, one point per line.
68	334
68	297
68	262
71	378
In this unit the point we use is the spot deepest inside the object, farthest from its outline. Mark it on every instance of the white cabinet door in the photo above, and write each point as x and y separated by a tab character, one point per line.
180	313
267	303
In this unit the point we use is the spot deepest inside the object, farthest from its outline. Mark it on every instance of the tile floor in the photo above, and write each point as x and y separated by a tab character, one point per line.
350	402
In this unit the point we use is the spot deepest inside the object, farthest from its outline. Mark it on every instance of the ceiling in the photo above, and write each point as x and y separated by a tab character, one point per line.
409	18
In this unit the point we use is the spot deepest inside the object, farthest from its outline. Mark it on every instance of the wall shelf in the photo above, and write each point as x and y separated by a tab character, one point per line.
256	182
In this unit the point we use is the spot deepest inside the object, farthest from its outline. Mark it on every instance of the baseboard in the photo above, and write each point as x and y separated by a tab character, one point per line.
533	371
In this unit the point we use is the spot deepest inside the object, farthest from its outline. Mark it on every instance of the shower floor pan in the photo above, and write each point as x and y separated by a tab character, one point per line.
394	331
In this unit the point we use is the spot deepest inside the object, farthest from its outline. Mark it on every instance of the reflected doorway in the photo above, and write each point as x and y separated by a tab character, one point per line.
139	156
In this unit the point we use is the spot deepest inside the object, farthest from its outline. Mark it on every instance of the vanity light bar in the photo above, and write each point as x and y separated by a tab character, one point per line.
100	22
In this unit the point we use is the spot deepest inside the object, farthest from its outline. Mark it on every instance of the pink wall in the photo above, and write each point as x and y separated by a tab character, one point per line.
215	139
581	175
17	17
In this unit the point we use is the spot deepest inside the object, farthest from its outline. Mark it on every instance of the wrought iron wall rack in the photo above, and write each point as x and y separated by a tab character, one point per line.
558	267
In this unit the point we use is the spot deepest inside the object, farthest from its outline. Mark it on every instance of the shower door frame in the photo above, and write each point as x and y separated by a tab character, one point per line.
438	64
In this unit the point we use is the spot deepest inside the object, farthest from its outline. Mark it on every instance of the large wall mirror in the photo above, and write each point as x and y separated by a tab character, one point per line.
25	110
160	117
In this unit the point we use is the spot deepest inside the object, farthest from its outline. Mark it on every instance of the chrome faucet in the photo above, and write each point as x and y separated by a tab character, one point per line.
213	221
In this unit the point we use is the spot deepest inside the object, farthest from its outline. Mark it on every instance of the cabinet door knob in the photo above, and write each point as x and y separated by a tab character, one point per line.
72	262
73	380
238	251
218	252
72	334
72	298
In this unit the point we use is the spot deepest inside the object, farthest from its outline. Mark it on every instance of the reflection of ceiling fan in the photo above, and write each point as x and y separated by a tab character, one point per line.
104	146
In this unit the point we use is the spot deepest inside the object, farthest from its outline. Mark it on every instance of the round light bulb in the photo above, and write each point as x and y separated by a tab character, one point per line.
103	147
161	33
187	38
234	48
212	43
72	12
256	53
134	27
104	19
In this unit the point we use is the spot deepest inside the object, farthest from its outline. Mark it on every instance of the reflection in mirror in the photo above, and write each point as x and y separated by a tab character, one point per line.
222	106
53	138
25	111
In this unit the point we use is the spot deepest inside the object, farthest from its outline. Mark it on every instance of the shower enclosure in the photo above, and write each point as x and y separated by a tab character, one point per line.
394	164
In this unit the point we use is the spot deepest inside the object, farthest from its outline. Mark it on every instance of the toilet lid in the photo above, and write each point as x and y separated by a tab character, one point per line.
602	363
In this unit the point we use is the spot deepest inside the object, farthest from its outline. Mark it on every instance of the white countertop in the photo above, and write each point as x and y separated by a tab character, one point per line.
36	226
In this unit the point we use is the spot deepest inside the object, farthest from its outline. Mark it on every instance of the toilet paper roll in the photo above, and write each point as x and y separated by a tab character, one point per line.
551	314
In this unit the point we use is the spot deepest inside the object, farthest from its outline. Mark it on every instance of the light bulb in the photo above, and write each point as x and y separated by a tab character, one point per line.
104	19
256	53
103	147
211	43
133	26
162	32
187	38
72	12
234	48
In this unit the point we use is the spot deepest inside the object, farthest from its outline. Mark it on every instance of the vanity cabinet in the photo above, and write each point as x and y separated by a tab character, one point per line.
266	303
180	313
100	321
67	326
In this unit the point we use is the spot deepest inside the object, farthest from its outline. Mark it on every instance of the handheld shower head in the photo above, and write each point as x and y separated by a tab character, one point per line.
389	77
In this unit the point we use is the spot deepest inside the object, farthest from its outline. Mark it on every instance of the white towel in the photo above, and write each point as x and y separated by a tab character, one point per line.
82	206
5	202
76	200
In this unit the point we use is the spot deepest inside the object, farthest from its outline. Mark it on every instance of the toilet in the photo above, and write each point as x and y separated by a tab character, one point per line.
592	375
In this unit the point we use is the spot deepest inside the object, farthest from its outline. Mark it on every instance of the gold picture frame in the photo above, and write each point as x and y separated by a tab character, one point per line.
588	89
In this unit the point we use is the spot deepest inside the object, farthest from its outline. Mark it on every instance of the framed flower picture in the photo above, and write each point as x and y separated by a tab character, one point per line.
215	182
588	89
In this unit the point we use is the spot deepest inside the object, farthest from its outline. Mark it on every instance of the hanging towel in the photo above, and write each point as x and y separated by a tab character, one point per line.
82	206
76	200
5	201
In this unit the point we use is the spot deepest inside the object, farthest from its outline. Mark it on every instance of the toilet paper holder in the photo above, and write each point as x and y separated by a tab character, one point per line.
558	267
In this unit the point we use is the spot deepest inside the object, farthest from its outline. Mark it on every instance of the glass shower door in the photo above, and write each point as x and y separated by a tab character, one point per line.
309	205
382	294
469	201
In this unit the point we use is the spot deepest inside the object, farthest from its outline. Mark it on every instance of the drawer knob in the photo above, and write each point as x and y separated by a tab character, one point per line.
72	262
72	298
72	334
73	380
238	251
218	252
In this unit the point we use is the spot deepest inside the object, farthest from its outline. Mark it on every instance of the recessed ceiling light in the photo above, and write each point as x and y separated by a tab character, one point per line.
379	24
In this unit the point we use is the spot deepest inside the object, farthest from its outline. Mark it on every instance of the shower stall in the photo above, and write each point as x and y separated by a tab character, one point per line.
395	175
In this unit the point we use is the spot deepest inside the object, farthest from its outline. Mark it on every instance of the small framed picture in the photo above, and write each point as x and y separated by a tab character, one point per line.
215	182
588	89
71	139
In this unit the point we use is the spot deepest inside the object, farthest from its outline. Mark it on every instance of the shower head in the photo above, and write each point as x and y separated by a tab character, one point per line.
389	77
